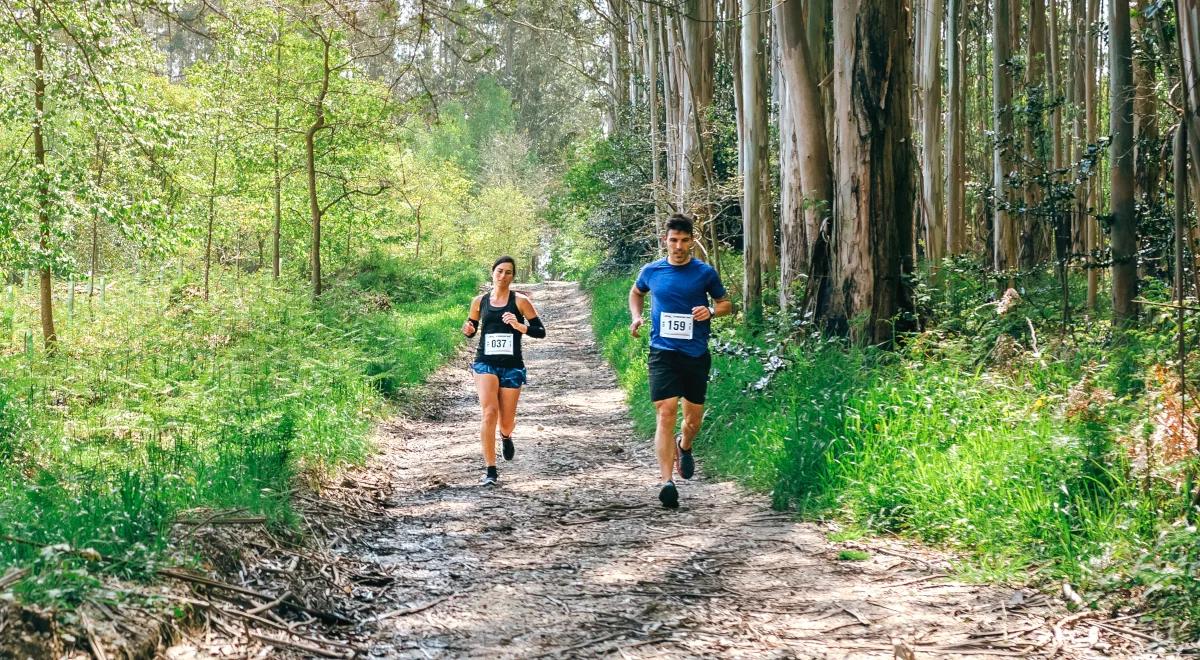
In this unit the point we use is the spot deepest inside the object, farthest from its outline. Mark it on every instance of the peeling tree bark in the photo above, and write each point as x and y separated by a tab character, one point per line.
806	192
872	226
1124	228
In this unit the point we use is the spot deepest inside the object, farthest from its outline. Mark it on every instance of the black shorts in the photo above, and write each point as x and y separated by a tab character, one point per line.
674	374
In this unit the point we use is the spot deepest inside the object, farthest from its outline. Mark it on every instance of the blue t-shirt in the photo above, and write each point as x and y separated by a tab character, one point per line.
676	290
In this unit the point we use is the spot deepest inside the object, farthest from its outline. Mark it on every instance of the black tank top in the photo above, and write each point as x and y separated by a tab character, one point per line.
499	343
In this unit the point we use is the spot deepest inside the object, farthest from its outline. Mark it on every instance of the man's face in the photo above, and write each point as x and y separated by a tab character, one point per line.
679	245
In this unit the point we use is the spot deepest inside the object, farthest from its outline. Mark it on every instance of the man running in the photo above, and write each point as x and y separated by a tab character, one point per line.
679	360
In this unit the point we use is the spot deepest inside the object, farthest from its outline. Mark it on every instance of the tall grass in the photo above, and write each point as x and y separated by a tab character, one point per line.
158	402
1021	461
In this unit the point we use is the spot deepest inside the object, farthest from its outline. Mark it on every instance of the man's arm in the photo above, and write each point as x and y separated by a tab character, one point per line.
722	306
637	300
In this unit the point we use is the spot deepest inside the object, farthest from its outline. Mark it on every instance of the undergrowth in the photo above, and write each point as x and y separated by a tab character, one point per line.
158	402
1026	446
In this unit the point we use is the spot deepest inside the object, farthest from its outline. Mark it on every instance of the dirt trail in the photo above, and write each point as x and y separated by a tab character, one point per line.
573	556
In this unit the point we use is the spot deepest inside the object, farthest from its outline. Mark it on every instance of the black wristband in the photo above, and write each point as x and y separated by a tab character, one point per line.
474	323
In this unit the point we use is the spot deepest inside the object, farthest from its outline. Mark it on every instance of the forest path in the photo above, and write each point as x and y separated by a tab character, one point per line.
572	555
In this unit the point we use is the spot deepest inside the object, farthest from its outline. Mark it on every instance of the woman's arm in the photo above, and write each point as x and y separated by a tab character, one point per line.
471	325
533	324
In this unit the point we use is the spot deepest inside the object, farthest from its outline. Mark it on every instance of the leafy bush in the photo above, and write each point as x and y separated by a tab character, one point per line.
159	403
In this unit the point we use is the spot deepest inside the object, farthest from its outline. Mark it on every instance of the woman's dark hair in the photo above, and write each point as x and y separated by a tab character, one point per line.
677	222
505	260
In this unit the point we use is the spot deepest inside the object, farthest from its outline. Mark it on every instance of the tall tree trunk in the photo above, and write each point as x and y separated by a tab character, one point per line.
872	227
696	89
1091	58
931	133
1124	227
45	275
310	161
94	271
1075	99
955	163
618	69
1005	248
1189	49
756	197
212	206
1146	144
1033	153
669	57
806	187
276	186
651	72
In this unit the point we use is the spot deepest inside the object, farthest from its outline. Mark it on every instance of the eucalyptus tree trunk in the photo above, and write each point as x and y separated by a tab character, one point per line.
931	132
806	190
756	189
1189	48
650	20
618	69
872	224
1124	227
696	91
955	142
1091	58
1146	143
45	275
1003	231
671	95
1033	154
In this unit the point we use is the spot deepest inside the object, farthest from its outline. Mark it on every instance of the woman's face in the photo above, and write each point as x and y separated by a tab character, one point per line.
502	274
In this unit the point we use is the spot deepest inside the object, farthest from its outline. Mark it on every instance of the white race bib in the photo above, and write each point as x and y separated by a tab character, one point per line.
498	344
675	326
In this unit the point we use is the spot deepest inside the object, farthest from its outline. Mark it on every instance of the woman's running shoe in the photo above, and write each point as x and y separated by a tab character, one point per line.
509	448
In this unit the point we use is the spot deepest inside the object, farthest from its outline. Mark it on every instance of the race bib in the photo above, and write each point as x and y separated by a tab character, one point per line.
675	326
498	344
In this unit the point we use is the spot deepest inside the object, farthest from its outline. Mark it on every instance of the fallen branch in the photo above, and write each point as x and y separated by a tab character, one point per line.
12	577
416	609
301	646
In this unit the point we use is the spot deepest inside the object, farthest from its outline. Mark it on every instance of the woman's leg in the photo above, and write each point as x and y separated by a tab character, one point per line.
488	386
508	409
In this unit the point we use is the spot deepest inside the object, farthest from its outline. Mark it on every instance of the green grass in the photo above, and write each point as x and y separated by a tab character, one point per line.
935	442
159	402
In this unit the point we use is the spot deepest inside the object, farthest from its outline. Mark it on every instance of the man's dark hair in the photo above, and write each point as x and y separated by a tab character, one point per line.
505	260
680	222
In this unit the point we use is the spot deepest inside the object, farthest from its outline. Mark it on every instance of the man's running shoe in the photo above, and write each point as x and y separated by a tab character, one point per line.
669	496
683	458
491	477
509	448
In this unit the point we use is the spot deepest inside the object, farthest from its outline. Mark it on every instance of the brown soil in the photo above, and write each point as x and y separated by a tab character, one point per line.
573	556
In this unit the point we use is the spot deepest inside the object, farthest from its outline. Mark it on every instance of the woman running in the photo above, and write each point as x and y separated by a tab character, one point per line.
501	317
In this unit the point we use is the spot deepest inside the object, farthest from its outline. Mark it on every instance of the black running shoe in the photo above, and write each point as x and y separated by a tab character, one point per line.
509	448
488	480
683	459
669	496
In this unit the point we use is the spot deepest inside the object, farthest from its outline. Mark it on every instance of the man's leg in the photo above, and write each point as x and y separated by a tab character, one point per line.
664	436
693	415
